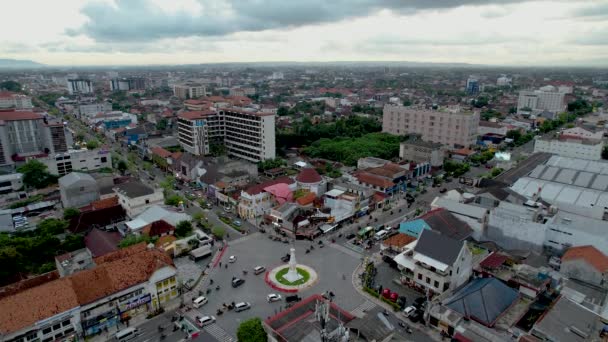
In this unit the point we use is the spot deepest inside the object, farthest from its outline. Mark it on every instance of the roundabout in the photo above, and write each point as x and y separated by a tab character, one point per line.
292	277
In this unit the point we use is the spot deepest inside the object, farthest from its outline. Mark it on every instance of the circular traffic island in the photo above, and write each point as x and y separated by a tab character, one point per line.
284	278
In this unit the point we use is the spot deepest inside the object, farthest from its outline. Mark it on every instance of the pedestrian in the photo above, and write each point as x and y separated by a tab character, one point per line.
220	264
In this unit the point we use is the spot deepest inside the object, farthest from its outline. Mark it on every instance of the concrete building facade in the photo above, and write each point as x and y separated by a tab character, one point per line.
449	126
572	148
421	151
78	190
79	86
77	160
536	101
189	90
13	100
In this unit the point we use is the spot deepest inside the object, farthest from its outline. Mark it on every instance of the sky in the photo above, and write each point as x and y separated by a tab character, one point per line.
142	32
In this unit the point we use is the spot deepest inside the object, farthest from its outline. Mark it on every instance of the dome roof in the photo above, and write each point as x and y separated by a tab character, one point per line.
308	175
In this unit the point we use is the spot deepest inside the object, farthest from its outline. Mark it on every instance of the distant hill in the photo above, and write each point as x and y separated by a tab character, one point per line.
19	63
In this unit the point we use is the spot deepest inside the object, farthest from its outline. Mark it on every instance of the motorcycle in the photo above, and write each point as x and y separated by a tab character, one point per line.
244	272
307	251
217	288
219	312
210	281
208	291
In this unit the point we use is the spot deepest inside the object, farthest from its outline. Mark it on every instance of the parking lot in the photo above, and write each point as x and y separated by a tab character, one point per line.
330	263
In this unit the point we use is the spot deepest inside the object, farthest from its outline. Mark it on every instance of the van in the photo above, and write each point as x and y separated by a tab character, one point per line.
127	334
242	306
198	302
259	269
380	235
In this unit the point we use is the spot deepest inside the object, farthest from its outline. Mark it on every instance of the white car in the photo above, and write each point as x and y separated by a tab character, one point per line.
409	310
205	320
231	259
273	297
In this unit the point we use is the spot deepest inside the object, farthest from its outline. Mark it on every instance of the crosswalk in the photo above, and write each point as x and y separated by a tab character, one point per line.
345	250
218	333
244	238
360	310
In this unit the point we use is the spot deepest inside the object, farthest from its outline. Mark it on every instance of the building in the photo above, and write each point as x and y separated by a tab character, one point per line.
537	101
489	127
77	160
242	91
13	100
126	84
503	81
25	134
80	86
123	284
420	151
113	120
568	321
91	109
581	133
309	179
435	262
189	90
11	183
570	146
135	197
472	86
257	200
246	135
585	263
448	126
77	190
153	214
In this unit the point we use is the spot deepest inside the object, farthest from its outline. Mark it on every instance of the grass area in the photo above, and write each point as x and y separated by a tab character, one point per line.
280	277
477	250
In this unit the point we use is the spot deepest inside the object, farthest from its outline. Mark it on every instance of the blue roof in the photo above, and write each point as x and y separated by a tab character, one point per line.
413	228
483	299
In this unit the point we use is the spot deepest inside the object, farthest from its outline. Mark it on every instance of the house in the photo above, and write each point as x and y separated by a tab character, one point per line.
78	190
585	263
435	262
153	214
462	154
135	197
257	200
447	224
397	242
158	228
475	216
310	180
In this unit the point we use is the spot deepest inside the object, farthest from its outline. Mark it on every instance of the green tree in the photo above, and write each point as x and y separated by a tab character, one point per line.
11	86
168	183
183	229
161	125
217	150
271	164
68	213
218	232
282	111
173	200
92	144
35	174
72	242
133	239
495	172
49	99
122	166
197	217
52	226
251	330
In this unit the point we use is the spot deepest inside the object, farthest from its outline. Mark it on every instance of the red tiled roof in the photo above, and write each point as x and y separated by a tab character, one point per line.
101	243
214	99
399	240
464	152
258	188
7	94
493	260
374	180
161	152
176	155
14	115
105	203
306	199
196	114
196	102
308	175
158	228
590	254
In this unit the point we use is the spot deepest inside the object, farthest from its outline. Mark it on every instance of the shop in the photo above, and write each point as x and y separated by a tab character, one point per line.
134	307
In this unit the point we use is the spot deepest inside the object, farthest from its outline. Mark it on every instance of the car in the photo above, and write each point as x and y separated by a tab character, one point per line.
350	236
205	320
237	223
242	306
416	316
236	282
273	297
293	298
227	209
419	302
200	301
259	269
232	259
409	310
443	190
286	258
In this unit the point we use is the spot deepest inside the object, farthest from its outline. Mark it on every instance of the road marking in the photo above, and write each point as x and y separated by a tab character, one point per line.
219	333
345	250
244	238
360	310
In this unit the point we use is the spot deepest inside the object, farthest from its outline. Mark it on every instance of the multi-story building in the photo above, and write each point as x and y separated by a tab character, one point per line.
79	86
135	197
421	151
503	81
11	182
242	91
77	160
537	101
114	119
450	126
472	86
572	147
126	84
13	100
91	109
189	90
26	134
246	135
121	285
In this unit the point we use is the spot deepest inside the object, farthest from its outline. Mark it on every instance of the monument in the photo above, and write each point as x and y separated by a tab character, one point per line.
292	275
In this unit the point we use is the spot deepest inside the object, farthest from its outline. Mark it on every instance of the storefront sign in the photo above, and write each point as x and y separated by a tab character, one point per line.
135	303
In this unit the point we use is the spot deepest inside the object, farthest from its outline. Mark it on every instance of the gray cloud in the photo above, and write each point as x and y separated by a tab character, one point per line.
592	11
592	38
137	20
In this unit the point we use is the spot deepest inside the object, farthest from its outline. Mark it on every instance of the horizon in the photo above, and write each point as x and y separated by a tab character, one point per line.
189	32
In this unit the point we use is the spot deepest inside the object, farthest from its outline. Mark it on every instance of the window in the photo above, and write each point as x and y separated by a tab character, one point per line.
419	276
457	270
428	280
65	323
147	201
56	327
46	331
436	284
104	159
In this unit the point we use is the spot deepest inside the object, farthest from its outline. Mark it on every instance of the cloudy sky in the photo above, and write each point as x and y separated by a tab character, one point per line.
136	32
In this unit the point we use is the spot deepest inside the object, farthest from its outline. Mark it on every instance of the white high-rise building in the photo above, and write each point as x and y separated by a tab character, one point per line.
537	101
80	86
503	81
189	90
246	135
13	100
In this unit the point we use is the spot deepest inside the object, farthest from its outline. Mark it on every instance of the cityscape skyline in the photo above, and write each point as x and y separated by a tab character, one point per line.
159	32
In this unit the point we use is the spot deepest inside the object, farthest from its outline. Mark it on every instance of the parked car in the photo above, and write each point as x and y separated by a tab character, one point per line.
200	301
273	297
237	223
293	299
443	190
419	302
205	320
409	311
232	259
242	306
236	282
416	316
350	236
390	261
259	269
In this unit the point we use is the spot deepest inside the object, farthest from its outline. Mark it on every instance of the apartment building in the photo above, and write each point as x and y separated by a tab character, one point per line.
135	197
421	151
246	135
189	90
88	110
79	86
449	126
571	147
126	84
537	101
77	160
27	134
242	91
13	100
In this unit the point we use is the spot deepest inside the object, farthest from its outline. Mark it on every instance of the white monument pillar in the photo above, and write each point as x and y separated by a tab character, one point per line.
292	275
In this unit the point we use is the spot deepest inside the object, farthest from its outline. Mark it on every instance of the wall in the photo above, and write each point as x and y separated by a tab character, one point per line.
581	270
84	160
569	149
135	206
79	195
509	230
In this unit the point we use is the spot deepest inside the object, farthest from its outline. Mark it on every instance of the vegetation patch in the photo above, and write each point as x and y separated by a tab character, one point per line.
280	277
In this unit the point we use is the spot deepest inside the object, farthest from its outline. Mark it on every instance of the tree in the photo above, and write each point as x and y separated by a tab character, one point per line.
35	174
52	226
217	150
183	229
197	217
407	102
92	144
282	111
11	86
72	242
173	200
218	232
132	239
251	330
68	213
161	125
122	166
168	183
